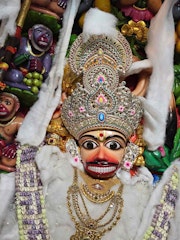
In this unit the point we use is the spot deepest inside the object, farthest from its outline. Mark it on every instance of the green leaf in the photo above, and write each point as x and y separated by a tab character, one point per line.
155	162
121	18
175	153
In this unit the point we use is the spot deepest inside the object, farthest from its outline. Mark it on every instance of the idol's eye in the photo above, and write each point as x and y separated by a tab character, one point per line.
7	102
113	145
38	30
89	145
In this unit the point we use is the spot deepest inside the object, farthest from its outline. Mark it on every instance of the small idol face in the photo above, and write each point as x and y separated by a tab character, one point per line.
7	105
102	152
41	37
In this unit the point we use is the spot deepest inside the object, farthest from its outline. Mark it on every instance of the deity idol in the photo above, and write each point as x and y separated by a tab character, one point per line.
32	56
10	121
93	191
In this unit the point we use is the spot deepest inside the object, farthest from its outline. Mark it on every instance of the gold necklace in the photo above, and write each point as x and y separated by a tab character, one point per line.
7	123
31	52
88	228
97	190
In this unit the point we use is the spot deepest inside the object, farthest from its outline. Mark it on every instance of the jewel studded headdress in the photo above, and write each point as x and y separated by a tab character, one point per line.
101	102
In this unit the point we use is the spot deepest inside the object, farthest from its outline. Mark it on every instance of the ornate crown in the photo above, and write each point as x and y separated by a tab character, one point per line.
101	102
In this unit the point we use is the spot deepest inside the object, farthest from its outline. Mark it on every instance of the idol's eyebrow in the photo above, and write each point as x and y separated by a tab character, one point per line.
116	136
107	138
91	136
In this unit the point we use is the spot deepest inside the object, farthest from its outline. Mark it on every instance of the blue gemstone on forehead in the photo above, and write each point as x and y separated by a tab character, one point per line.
101	117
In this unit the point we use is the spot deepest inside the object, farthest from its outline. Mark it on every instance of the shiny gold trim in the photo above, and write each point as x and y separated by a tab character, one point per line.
23	12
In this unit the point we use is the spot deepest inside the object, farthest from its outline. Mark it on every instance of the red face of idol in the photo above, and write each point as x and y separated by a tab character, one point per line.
102	152
8	107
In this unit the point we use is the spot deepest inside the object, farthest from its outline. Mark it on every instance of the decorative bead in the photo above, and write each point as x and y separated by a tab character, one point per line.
101	117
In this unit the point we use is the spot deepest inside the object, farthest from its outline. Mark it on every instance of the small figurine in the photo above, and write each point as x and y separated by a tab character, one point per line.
57	134
32	56
152	6
10	121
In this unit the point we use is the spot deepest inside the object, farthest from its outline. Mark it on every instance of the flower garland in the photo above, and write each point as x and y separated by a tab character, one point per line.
30	204
164	211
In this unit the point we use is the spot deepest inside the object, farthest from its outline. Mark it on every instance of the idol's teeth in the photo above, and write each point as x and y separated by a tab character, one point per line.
43	43
101	169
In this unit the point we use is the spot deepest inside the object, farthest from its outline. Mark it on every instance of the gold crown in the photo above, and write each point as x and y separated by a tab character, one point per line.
101	102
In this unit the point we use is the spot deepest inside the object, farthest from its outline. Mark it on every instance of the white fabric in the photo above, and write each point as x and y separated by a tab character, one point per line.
8	220
138	66
160	51
8	14
99	22
7	186
143	175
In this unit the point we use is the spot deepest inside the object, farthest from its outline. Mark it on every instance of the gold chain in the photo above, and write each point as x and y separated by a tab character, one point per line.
7	123
97	190
88	228
95	197
31	52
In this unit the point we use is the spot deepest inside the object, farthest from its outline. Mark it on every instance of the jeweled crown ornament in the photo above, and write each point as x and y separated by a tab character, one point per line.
102	102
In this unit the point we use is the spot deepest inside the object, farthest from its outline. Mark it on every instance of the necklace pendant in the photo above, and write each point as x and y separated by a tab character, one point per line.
97	186
83	233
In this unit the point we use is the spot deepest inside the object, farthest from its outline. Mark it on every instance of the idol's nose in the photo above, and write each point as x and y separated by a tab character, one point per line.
101	153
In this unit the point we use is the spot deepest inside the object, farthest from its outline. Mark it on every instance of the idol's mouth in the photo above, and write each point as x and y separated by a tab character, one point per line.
3	113
42	43
101	168
3	110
